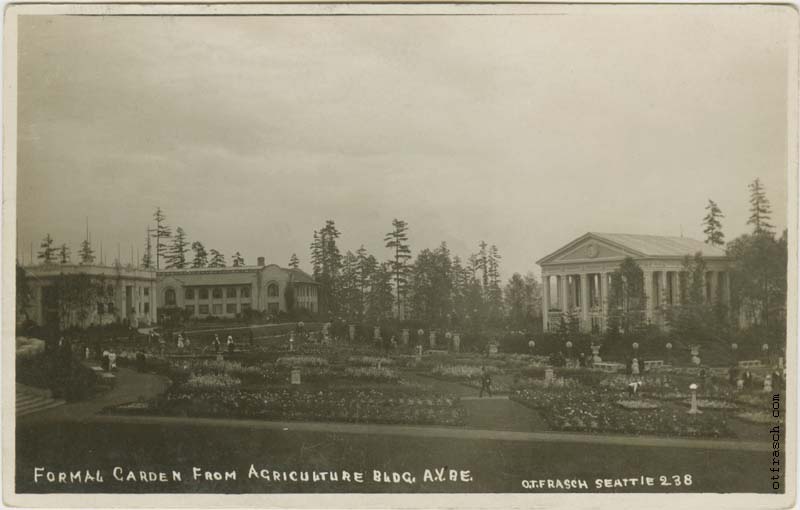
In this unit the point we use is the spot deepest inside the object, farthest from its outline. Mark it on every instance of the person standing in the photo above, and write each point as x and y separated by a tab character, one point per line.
486	382
217	344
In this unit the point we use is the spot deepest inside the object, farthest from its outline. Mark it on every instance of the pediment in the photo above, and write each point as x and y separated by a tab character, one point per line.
588	248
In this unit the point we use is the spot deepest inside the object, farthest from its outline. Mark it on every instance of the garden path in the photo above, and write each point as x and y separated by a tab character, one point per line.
495	413
129	386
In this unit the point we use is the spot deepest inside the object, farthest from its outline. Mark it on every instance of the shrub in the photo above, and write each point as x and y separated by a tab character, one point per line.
211	382
302	361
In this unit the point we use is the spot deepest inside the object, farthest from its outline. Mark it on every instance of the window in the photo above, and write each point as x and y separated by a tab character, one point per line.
100	309
245	292
245	306
273	308
169	297
230	308
216	293
147	291
188	293
203	309
110	308
189	310
272	290
204	294
147	308
230	292
217	309
140	307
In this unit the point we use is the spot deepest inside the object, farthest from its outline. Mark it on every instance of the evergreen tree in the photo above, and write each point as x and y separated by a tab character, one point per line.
482	260
760	210
200	255
147	259
217	259
86	253
326	261
48	253
238	260
365	267
397	241
64	254
493	292
626	299
294	262
24	294
713	227
162	231
176	256
380	299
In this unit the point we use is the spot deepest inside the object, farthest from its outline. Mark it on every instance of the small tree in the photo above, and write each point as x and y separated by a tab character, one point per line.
176	256
626	299
86	252
48	253
713	227
161	231
238	260
217	259
200	255
760	209
294	262
23	296
63	254
147	259
289	297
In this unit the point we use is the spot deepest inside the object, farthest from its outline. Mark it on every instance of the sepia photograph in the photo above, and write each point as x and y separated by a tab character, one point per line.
466	251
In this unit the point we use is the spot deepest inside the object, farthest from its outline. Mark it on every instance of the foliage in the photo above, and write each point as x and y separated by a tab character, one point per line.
162	231
523	299
626	300
238	260
147	258
64	254
76	295
23	292
371	373
217	259
200	255
759	278
176	256
86	252
760	210
397	241
302	361
326	261
48	253
713	227
211	382
294	262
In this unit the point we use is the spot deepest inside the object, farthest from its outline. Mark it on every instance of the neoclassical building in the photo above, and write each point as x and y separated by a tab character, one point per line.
229	291
120	293
576	277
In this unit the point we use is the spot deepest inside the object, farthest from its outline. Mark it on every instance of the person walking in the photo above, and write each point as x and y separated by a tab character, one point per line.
486	382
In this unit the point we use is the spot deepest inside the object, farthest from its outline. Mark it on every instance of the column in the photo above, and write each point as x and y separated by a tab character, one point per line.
713	280
585	302
677	287
564	293
726	287
664	288
545	301
648	294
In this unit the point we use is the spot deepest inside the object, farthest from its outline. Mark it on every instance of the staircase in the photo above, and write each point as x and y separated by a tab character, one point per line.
32	400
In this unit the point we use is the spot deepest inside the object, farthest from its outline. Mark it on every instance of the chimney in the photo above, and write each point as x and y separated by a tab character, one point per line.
261	261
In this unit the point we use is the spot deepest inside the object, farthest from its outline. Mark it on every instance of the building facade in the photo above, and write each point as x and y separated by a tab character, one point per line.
231	291
576	277
64	295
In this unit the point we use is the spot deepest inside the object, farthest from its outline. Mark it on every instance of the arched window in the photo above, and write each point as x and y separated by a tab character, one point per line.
272	290
169	297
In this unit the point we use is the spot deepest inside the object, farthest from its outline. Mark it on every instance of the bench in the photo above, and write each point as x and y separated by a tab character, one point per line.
753	363
649	365
609	367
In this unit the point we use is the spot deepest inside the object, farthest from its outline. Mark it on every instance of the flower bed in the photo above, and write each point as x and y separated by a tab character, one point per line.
703	403
368	361
405	406
462	371
302	361
211	382
637	404
29	347
371	373
596	410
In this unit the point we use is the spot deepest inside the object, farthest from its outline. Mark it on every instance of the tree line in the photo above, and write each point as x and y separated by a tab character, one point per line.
436	287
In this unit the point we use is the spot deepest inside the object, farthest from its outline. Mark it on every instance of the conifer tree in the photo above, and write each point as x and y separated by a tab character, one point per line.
760	209
48	253
713	227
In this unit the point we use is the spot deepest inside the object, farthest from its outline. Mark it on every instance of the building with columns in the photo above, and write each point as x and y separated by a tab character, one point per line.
576	277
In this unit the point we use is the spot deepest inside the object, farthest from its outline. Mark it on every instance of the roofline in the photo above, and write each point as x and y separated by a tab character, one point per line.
587	235
634	253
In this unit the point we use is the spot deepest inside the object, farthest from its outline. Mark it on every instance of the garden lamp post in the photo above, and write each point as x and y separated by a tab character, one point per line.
635	346
669	352
569	349
694	409
734	351
531	345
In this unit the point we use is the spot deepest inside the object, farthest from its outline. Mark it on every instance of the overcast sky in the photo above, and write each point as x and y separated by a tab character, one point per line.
522	131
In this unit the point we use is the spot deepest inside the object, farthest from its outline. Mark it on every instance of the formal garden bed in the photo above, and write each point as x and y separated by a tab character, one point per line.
404	405
601	410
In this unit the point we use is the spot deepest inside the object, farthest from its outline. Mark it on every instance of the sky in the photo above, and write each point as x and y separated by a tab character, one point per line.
523	131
